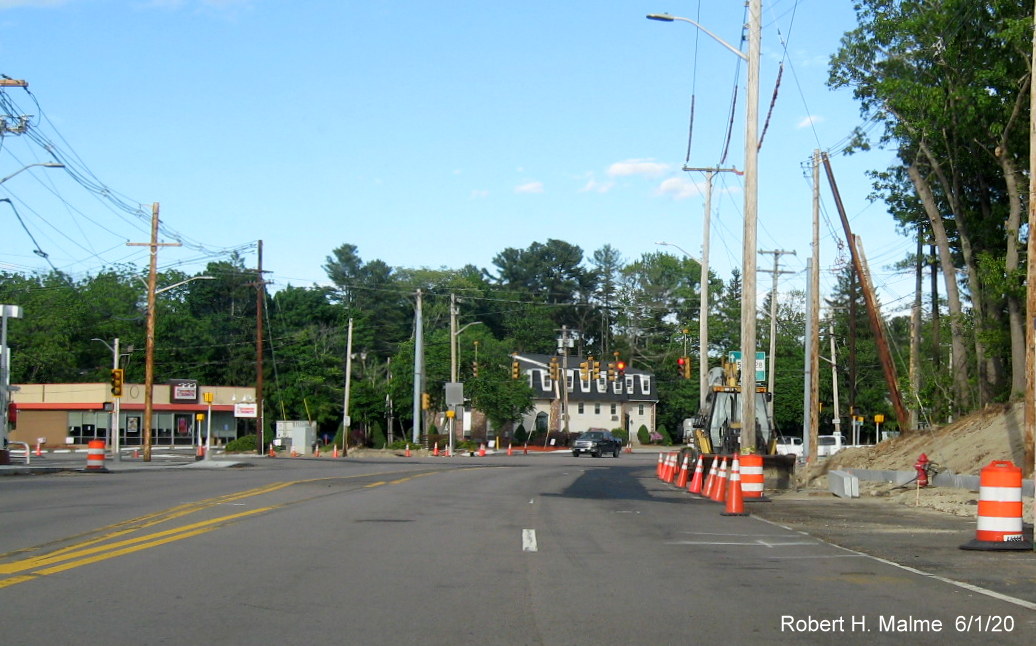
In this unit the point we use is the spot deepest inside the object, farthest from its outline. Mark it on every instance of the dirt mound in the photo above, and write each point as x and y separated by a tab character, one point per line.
963	447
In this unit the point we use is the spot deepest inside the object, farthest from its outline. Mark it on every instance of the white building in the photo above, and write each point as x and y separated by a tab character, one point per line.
625	401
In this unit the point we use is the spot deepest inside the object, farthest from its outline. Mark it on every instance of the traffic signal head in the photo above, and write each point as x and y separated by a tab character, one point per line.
620	369
686	367
116	381
426	401
514	369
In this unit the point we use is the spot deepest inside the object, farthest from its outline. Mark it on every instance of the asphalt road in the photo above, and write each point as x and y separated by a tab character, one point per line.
544	549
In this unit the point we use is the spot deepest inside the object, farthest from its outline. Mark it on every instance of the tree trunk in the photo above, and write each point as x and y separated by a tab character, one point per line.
1012	262
949	272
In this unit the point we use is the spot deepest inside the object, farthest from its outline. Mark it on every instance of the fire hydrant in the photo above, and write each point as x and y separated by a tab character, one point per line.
922	470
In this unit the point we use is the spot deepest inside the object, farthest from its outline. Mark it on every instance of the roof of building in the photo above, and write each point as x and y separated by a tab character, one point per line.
637	386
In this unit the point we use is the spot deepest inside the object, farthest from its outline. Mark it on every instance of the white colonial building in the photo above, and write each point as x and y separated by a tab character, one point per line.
617	401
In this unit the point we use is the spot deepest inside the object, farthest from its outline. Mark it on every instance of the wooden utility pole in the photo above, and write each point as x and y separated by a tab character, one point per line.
260	299
749	246
809	439
1030	292
149	344
776	271
703	305
887	366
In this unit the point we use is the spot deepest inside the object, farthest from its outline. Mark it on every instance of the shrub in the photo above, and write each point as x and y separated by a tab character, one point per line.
377	436
520	434
643	436
244	444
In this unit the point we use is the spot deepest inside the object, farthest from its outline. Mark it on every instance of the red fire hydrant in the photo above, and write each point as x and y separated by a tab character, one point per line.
922	470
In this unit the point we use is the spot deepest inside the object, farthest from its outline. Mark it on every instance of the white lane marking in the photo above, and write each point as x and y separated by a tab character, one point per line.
528	540
746	543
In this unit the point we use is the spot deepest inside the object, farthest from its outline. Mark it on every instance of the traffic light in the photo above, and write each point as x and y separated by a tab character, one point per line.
620	369
117	375
584	370
611	371
426	401
474	368
514	369
554	368
683	367
595	369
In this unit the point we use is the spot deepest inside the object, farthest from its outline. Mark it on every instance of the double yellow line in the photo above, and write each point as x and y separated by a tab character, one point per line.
100	548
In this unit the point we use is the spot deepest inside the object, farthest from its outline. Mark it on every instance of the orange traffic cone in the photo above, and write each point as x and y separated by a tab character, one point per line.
435	451
508	449
695	486
681	479
334	451
481	450
719	491
658	468
316	452
407	454
39	450
671	469
735	499
136	453
710	484
271	453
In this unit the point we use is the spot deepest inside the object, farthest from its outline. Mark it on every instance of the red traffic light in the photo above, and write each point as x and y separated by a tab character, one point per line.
680	361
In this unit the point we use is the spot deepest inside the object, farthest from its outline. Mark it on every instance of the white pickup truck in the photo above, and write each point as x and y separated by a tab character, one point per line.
826	445
830	444
789	446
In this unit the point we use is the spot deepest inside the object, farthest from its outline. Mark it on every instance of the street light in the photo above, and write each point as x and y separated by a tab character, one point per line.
24	168
748	251
149	353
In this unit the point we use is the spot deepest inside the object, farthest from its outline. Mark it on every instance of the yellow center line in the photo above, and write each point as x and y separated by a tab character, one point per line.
90	551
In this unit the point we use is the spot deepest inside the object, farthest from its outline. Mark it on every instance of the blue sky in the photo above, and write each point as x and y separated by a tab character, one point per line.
428	134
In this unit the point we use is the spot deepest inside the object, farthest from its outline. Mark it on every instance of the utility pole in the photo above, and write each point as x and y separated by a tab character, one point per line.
748	252
418	367
346	419
834	381
776	271
260	299
149	346
703	307
813	355
884	355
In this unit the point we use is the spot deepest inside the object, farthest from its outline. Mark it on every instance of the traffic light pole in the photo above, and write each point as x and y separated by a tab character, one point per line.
116	409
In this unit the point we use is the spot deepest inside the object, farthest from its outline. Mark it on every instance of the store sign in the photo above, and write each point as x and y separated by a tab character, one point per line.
182	391
246	410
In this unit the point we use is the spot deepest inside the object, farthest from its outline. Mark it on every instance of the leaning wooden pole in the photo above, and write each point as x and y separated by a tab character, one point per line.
887	367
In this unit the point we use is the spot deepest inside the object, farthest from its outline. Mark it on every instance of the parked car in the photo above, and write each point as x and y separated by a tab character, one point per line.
597	443
830	444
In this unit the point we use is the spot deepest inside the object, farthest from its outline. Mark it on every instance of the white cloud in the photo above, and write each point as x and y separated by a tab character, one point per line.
479	194
637	167
594	186
680	188
530	187
809	121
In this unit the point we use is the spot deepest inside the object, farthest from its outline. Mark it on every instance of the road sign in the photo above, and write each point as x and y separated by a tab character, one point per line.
734	357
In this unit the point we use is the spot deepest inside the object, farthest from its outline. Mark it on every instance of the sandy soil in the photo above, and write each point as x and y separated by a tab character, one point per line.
964	447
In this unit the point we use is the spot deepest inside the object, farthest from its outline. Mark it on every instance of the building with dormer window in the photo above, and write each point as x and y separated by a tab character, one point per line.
627	401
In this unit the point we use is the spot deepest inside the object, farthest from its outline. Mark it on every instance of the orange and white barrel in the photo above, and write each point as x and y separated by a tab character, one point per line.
999	509
95	455
752	478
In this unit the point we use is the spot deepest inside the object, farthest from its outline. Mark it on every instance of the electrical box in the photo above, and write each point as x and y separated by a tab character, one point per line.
297	435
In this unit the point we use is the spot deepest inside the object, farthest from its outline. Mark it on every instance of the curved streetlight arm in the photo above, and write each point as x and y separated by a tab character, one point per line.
663	243
664	17
175	285
43	164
